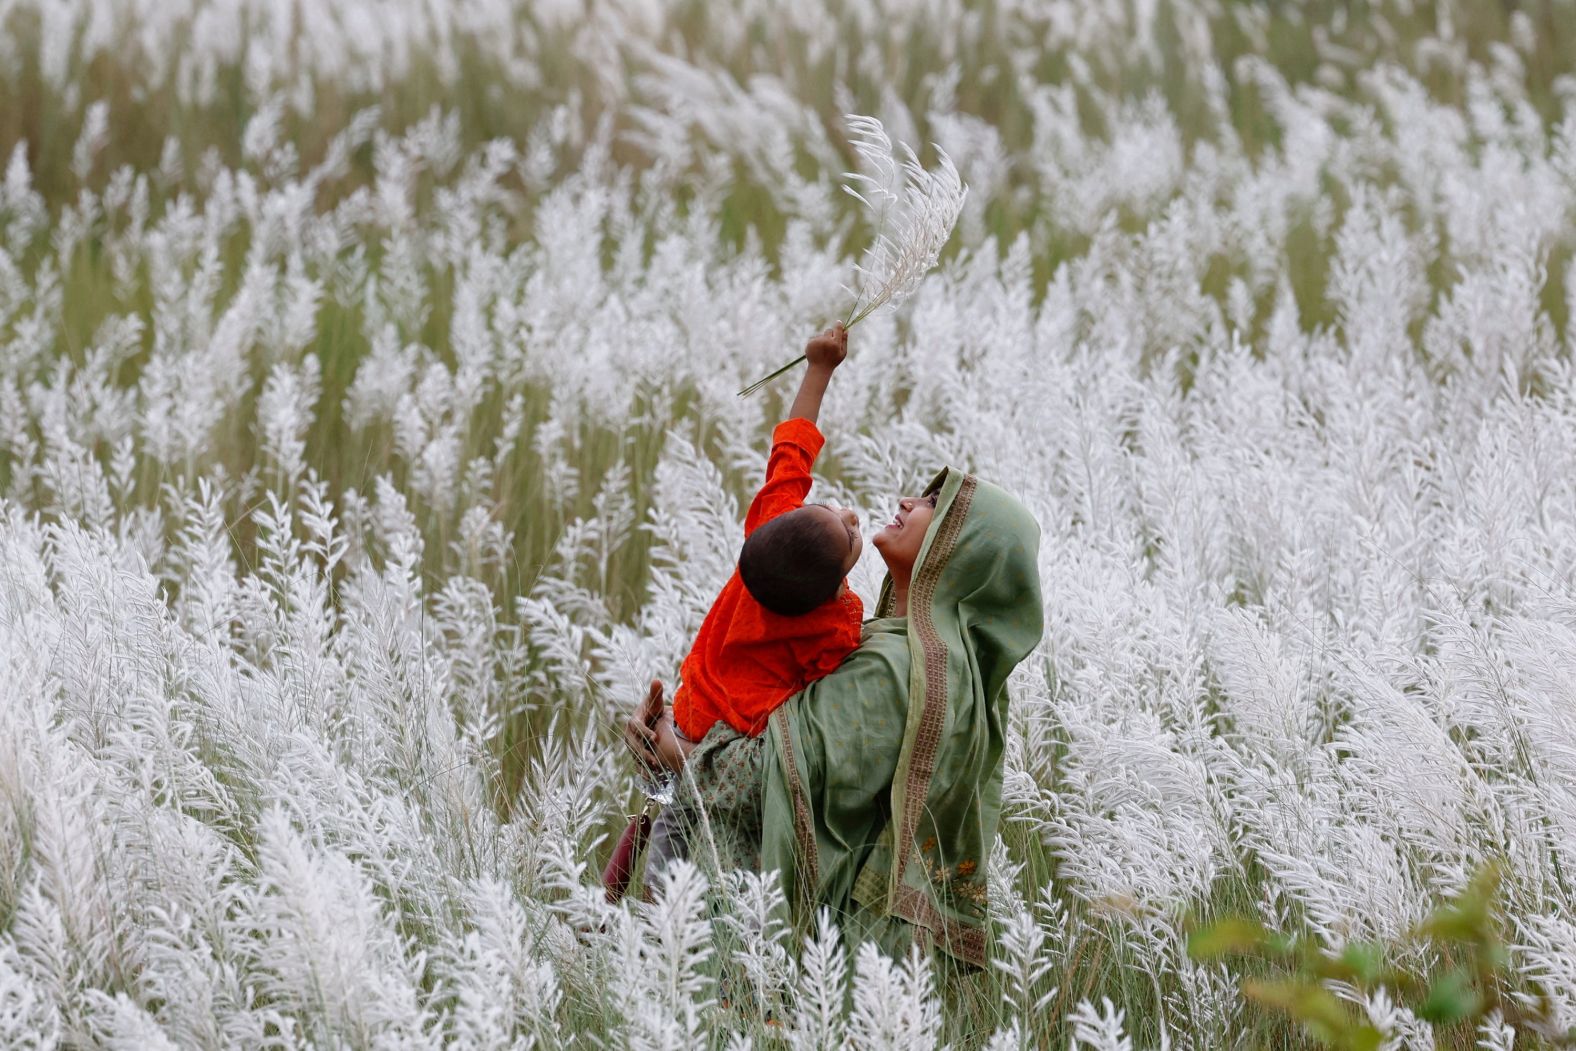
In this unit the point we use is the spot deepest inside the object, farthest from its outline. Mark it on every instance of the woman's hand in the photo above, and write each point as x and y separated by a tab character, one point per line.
650	734
672	748
640	728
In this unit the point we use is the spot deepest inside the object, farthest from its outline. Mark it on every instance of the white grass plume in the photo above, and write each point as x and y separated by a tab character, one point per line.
914	210
1308	545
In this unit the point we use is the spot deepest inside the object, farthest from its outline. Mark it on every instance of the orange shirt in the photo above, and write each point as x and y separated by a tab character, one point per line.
746	659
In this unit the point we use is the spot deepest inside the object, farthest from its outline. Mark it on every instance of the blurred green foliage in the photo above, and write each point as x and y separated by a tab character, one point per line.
1468	981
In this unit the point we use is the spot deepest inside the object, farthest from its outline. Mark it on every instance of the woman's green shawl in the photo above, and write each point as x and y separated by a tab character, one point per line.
883	806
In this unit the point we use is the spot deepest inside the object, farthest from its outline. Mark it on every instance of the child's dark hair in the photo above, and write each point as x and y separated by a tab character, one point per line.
790	565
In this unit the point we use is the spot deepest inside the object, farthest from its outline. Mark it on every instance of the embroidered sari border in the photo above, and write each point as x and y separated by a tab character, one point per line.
803	825
964	942
922	759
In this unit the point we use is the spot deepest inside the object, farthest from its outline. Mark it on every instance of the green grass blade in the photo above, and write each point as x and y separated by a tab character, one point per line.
764	380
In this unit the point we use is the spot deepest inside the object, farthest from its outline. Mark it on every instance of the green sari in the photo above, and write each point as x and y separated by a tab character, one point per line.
876	791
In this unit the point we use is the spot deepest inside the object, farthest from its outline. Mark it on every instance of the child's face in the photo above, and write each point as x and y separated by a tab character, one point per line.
842	531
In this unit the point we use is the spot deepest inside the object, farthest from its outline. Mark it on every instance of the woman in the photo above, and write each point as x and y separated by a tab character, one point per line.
876	790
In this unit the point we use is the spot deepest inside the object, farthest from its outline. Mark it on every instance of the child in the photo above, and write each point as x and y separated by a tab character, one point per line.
786	616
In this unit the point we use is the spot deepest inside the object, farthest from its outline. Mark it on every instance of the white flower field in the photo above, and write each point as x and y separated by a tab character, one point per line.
370	438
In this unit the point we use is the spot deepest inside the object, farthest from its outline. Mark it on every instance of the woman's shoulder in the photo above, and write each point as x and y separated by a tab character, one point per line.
896	627
883	641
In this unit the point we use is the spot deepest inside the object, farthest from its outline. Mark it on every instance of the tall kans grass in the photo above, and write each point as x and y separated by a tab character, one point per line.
368	438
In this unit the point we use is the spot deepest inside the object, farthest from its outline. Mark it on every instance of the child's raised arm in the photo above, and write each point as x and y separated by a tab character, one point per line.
796	441
824	353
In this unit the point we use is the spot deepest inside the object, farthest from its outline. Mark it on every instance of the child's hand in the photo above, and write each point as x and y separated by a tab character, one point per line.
828	350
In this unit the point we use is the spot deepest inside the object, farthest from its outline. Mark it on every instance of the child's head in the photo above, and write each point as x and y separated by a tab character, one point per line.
797	561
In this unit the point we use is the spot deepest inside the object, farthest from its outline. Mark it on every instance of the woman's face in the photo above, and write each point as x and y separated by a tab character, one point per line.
900	541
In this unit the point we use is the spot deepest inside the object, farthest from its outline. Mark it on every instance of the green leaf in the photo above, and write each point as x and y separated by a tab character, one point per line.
1326	1018
1283	944
1496	956
1365	1038
1232	935
1365	960
1451	997
1469	916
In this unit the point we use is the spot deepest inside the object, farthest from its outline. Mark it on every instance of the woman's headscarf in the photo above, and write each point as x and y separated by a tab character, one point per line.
911	841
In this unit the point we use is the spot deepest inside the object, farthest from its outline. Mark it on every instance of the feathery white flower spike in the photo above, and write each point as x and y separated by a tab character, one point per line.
914	212
921	206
